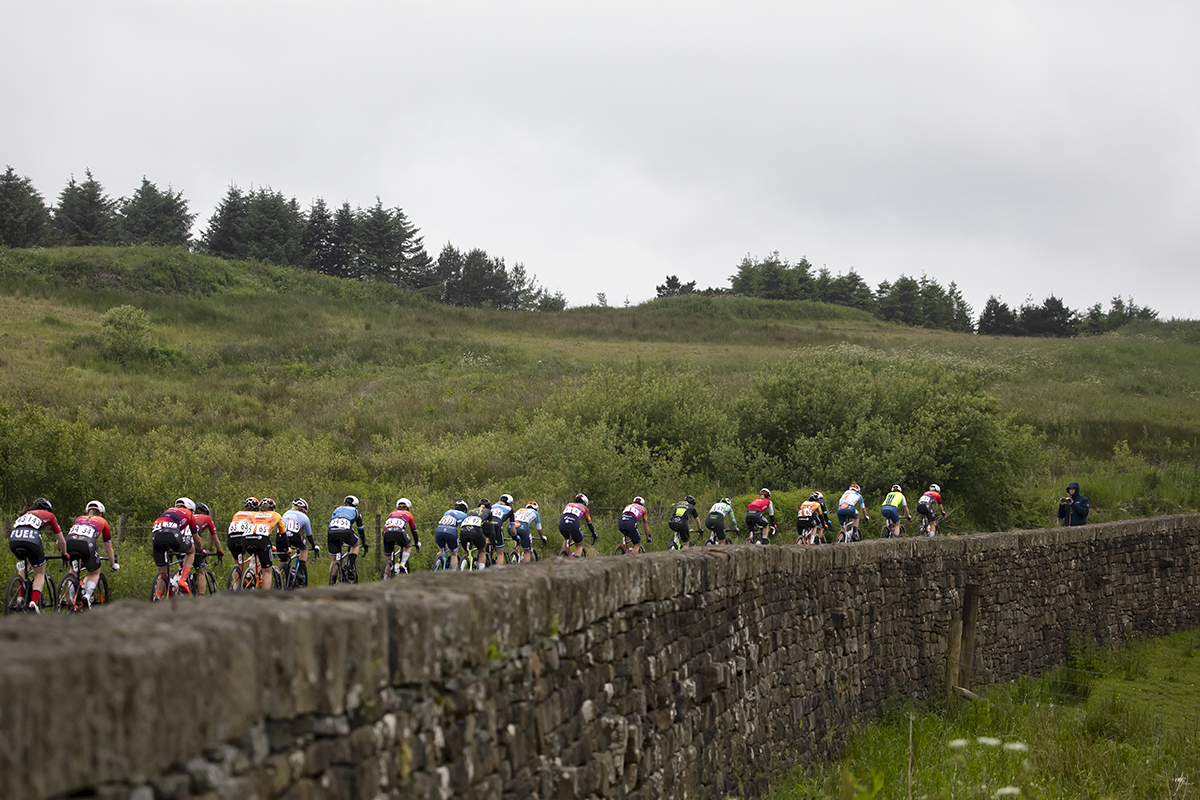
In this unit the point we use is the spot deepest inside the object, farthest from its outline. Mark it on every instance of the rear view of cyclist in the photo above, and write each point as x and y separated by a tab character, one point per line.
929	506
25	542
892	506
241	526
81	544
266	522
470	532
631	515
525	521
205	524
396	533
345	529
297	532
681	520
760	516
445	534
494	526
810	518
574	515
847	513
173	533
721	511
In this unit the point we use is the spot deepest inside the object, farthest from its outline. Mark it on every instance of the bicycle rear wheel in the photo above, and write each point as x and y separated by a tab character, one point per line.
14	595
336	575
276	578
210	581
234	582
158	588
69	594
49	600
100	593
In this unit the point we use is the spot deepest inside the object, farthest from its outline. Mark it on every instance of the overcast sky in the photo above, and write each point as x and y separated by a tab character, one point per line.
1017	148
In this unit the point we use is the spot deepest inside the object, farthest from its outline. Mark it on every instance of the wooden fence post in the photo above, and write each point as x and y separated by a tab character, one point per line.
970	617
378	540
121	521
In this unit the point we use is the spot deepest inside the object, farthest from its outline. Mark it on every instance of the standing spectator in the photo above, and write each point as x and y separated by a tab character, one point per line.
1073	509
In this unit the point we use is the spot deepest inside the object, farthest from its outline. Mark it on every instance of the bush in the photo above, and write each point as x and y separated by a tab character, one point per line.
125	334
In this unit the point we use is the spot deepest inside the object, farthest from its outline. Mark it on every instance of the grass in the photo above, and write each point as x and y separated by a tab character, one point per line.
1130	733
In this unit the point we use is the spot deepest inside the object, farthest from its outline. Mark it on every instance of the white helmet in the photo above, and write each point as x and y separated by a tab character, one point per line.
96	506
641	501
403	502
933	487
186	502
506	499
582	498
351	501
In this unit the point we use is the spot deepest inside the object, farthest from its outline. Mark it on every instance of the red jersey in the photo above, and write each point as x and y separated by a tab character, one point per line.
762	504
205	523
177	517
929	498
399	516
90	528
36	519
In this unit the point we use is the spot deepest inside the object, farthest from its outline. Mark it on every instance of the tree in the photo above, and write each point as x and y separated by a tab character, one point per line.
317	239
225	234
960	311
997	319
24	218
673	287
273	228
1096	321
900	301
772	278
154	217
1051	318
344	248
851	290
85	215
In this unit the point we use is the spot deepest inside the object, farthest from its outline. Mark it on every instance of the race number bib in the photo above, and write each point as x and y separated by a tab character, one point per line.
82	531
240	527
473	521
339	524
395	524
28	521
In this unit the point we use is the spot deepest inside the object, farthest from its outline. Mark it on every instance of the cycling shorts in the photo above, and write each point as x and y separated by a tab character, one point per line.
847	513
715	522
926	511
446	537
568	526
341	537
494	533
85	551
628	526
167	540
891	514
26	544
806	524
473	536
259	546
524	536
395	537
755	519
237	546
294	539
680	526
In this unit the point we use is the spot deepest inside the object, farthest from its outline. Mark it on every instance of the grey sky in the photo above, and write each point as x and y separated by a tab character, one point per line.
1016	148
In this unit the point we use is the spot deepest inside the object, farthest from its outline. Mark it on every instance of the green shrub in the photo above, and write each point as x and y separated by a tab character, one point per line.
125	334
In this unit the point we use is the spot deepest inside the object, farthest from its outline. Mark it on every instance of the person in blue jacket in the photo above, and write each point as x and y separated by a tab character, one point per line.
1073	509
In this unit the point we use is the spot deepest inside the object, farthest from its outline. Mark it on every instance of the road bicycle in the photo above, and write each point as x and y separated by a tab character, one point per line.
285	573
442	562
469	560
752	534
678	545
927	528
813	535
885	530
342	571
70	589
16	598
713	540
392	566
167	585
626	547
514	557
848	531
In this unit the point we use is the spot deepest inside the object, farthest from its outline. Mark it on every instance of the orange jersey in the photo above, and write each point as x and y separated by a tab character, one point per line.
242	523
91	527
266	523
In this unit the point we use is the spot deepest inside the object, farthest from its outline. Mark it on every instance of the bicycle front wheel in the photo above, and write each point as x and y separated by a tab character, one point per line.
234	582
100	593
210	581
15	594
158	588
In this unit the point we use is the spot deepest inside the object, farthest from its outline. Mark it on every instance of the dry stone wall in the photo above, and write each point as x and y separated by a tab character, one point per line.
690	674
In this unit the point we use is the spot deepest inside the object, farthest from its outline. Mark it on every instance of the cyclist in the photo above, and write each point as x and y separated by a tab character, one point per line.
346	528
204	522
812	515
892	504
495	525
471	531
525	521
297	532
81	544
715	521
266	521
848	507
241	526
25	542
396	533
925	507
445	534
760	516
680	521
573	513
173	532
628	524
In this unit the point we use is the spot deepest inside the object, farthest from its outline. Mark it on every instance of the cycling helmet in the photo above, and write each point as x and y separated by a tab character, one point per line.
485	503
266	504
506	499
403	502
42	503
532	504
582	498
819	495
96	506
933	487
812	496
855	487
351	501
301	504
726	501
202	508
250	504
185	502
690	499
765	492
896	487
639	500
461	505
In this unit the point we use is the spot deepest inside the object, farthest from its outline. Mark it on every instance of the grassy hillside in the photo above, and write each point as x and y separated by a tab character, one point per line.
265	380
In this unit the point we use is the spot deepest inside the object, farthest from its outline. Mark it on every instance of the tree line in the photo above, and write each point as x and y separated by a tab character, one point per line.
367	244
919	302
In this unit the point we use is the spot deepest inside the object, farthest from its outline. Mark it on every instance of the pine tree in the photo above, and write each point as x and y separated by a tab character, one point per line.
317	241
273	228
344	249
997	319
85	215
24	218
225	234
155	217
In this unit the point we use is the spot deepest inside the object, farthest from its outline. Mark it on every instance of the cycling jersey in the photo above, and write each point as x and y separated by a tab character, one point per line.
715	521
892	505
342	528
525	521
927	502
25	540
173	531
493	526
297	530
851	499
811	514
82	538
471	530
445	533
241	525
755	517
396	530
569	523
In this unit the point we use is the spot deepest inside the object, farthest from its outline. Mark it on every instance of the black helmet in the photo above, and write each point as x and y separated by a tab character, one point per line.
461	505
690	499
203	509
43	504
485	503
